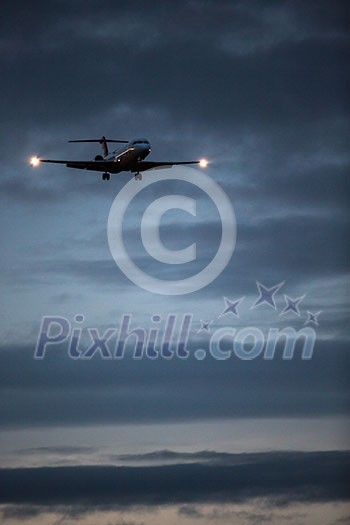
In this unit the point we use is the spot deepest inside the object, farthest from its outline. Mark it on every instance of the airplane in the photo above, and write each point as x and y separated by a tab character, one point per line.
128	158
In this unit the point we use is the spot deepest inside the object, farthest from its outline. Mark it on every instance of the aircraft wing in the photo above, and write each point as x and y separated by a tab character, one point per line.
113	167
93	165
145	165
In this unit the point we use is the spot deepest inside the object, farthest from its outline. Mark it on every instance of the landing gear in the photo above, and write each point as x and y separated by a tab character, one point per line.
105	176
138	176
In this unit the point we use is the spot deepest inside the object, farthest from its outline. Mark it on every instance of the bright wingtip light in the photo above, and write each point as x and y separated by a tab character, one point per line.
35	161
203	163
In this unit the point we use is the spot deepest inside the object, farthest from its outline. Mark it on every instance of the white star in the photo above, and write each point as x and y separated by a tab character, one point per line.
312	318
267	295
231	306
292	304
204	326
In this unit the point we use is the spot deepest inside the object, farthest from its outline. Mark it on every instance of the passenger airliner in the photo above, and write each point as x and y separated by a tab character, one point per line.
128	158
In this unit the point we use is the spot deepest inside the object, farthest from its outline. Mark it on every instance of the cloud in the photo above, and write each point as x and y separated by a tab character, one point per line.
101	391
190	511
344	519
172	456
280	477
21	512
200	66
64	450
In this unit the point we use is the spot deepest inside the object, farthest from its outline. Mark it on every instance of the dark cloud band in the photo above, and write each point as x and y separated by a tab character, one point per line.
286	477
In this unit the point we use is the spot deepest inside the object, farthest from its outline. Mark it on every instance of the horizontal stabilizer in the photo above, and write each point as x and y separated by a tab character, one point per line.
103	139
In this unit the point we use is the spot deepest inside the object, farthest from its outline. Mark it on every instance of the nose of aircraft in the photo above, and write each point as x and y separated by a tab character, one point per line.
144	150
141	145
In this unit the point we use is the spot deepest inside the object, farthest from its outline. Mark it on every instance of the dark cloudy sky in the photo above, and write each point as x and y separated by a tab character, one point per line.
261	90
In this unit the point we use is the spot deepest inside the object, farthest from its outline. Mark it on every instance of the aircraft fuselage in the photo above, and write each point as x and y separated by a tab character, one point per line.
126	158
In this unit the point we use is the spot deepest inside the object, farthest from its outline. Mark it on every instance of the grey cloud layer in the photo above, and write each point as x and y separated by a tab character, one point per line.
280	477
61	391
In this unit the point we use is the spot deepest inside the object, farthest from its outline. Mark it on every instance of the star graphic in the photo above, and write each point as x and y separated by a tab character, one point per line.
312	318
267	295
231	306
204	326
292	305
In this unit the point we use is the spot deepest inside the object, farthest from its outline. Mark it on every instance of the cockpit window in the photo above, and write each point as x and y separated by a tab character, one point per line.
139	141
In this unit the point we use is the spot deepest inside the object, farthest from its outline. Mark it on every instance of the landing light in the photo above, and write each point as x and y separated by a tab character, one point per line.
35	161
203	163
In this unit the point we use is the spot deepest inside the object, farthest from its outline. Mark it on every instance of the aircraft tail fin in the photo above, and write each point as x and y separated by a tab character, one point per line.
103	141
